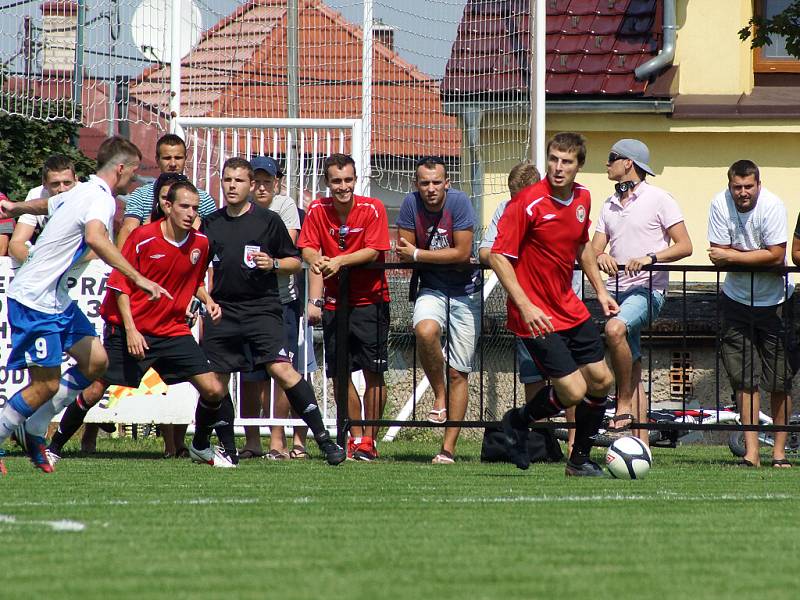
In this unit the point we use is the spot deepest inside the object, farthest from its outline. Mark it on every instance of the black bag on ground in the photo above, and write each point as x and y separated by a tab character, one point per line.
542	446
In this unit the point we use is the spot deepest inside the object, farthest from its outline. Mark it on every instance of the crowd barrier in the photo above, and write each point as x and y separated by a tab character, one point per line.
682	367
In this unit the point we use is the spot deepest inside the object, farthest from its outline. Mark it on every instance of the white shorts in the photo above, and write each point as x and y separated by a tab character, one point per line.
464	320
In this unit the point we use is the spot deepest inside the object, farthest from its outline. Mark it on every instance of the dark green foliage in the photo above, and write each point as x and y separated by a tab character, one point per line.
787	23
25	143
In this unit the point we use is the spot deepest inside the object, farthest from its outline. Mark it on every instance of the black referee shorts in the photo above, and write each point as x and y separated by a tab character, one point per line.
247	337
175	359
368	338
562	353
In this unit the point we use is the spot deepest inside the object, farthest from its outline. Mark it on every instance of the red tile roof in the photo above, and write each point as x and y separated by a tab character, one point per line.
239	69
593	48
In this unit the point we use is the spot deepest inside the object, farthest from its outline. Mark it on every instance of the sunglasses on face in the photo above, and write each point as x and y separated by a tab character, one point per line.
614	157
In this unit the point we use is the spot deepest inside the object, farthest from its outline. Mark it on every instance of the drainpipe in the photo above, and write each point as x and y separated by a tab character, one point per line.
472	125
667	53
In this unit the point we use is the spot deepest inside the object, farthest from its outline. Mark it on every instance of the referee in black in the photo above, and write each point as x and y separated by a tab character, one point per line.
248	245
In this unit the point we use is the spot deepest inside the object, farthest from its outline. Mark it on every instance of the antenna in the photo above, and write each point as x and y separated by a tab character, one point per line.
151	28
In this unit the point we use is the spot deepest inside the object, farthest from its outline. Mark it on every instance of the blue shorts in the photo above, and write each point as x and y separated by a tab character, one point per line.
39	339
633	312
527	369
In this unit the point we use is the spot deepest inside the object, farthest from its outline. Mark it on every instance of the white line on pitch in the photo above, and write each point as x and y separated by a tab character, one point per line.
606	497
60	525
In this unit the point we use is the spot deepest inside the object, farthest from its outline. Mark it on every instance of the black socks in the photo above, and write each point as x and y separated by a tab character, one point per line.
71	421
304	403
589	416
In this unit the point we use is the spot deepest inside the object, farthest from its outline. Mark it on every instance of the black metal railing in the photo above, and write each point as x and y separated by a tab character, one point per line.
691	321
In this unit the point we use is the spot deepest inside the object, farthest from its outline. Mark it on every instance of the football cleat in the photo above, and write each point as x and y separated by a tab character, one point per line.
587	469
213	455
52	456
35	447
366	450
333	452
516	441
352	445
3	470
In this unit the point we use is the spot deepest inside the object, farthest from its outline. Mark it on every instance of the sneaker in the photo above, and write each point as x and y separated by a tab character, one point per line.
366	451
333	452
516	442
352	445
35	447
52	456
213	455
587	469
443	458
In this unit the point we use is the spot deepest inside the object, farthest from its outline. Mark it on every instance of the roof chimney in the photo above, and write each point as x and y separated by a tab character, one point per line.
59	28
383	33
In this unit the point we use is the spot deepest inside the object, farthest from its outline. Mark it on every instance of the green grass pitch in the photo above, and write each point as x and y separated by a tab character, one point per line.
127	524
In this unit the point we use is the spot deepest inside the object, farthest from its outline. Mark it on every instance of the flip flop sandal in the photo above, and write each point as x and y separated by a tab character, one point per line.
746	463
437	415
298	453
620	417
246	453
275	455
781	463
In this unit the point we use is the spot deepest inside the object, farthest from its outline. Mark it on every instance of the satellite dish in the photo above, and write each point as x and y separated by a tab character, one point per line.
152	25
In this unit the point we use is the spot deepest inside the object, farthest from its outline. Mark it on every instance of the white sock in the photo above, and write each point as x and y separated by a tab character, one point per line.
9	420
72	383
38	423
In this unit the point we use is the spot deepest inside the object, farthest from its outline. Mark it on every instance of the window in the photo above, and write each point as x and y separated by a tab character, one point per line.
774	58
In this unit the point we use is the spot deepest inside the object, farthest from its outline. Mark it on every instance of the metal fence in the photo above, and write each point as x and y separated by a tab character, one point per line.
681	357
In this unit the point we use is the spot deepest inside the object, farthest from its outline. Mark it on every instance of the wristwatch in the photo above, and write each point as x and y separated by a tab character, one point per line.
275	264
652	256
318	302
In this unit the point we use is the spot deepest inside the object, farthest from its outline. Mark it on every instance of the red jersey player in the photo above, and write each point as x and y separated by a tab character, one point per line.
347	230
544	228
139	334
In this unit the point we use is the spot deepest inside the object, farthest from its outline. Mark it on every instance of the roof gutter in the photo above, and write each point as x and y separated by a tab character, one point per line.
638	105
667	53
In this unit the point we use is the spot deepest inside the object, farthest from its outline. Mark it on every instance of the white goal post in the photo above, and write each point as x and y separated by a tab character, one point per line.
300	147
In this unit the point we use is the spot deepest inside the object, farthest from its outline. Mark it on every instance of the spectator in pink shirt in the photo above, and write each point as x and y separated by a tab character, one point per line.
642	225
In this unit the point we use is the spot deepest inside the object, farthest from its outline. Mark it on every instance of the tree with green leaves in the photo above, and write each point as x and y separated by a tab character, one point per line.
761	30
25	143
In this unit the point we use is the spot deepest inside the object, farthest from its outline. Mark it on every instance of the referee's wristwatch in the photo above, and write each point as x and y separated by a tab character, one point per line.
318	302
652	256
275	264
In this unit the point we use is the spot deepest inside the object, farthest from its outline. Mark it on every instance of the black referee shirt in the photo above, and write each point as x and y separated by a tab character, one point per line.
232	239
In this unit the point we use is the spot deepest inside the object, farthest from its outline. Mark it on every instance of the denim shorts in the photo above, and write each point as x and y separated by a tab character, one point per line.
464	321
633	312
528	371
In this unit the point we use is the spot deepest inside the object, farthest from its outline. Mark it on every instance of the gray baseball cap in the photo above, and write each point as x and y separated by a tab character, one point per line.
636	151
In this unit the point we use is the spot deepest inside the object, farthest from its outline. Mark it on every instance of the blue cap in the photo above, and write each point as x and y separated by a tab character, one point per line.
266	163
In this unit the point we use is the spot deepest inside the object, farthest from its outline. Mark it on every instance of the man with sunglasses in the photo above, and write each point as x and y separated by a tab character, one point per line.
542	230
436	226
643	225
346	230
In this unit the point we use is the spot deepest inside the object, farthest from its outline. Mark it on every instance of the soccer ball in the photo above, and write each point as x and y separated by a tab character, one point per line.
628	458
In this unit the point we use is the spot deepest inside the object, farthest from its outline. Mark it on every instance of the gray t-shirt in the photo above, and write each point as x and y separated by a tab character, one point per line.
286	209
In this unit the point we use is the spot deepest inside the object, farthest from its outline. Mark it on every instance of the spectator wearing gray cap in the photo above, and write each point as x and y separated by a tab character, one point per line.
641	225
255	388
